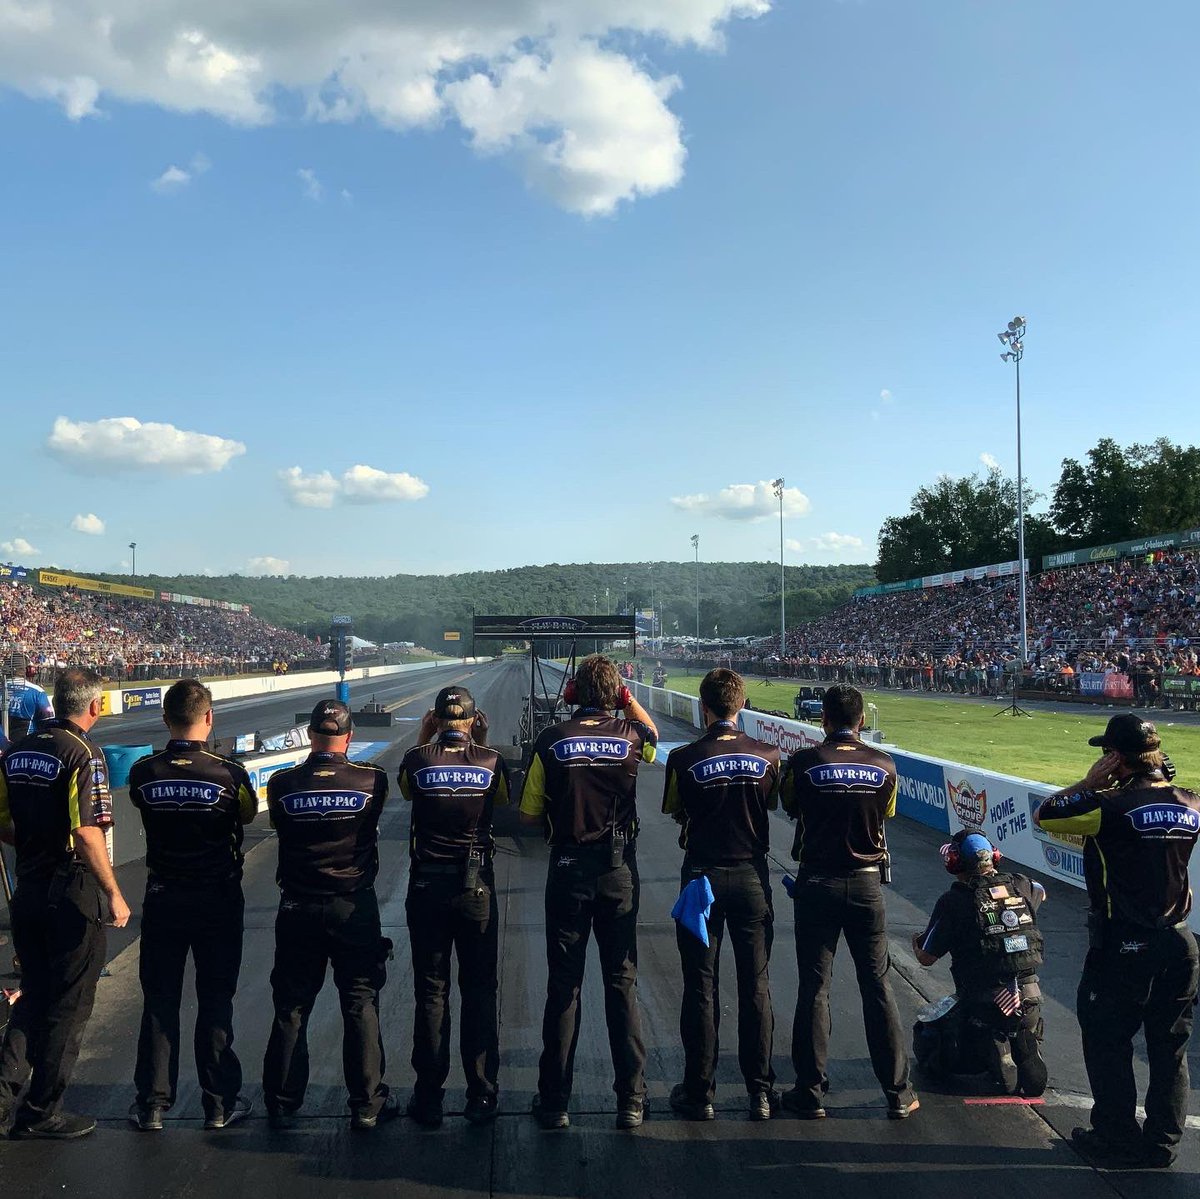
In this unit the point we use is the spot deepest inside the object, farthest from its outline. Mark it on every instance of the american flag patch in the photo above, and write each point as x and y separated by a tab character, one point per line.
1008	998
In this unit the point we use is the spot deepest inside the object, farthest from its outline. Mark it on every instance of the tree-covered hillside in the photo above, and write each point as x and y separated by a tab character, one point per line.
737	598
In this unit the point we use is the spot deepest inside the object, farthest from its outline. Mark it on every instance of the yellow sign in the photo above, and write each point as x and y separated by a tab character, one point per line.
49	578
106	705
451	636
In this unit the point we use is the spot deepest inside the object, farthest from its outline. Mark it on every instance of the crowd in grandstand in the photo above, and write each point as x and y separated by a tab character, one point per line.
128	639
1132	627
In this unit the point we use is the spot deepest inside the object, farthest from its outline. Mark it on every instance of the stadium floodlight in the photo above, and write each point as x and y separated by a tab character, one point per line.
696	547
1014	338
133	559
1003	338
777	487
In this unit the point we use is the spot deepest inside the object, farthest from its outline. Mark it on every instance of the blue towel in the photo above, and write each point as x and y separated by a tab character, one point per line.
693	906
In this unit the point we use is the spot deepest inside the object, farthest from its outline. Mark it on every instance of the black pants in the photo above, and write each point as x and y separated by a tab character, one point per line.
1148	980
827	908
207	921
435	929
585	894
58	934
311	934
741	907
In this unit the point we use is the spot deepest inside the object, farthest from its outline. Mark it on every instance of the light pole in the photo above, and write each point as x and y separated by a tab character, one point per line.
696	547
133	559
1014	338
777	484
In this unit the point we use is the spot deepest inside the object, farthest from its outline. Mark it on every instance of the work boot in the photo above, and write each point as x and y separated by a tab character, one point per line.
481	1109
1032	1074
148	1119
1103	1152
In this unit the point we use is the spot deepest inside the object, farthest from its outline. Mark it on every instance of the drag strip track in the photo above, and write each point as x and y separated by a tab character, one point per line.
946	1149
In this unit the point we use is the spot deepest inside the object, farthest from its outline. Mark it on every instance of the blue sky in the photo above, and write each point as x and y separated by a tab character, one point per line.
563	277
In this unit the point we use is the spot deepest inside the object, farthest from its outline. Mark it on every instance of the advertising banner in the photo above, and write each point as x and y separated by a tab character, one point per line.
13	572
142	697
111	703
1118	686
50	578
921	790
1122	549
1091	683
998	570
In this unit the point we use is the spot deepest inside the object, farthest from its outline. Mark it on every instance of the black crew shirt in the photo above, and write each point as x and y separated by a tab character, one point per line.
51	783
1138	840
582	777
720	788
193	804
326	812
453	785
839	793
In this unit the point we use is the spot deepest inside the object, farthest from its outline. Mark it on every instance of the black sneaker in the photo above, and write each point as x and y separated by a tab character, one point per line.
1158	1157
800	1103
238	1110
764	1104
898	1110
281	1121
148	1119
426	1112
1032	1075
362	1121
631	1112
548	1118
1103	1152
65	1126
689	1108
481	1109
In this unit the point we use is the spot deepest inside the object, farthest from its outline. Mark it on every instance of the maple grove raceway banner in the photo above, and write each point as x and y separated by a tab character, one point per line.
940	794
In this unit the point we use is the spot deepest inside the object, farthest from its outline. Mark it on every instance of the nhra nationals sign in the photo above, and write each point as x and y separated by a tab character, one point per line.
142	697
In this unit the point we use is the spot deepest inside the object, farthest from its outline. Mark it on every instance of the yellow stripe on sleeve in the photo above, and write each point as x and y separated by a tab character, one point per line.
533	797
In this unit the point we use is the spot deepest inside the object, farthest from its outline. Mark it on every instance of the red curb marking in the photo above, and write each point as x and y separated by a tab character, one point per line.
1003	1100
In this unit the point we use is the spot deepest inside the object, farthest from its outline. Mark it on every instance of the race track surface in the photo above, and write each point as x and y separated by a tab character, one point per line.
947	1149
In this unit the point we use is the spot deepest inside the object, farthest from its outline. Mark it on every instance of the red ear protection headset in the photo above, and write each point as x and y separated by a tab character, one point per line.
952	851
570	693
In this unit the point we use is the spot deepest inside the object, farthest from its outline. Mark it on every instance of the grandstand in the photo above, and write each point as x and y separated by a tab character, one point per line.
131	638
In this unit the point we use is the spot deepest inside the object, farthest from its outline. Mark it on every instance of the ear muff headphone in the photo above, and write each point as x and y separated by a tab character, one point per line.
570	692
952	852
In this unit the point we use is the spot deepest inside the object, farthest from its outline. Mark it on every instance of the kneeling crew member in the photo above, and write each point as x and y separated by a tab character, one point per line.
1141	970
326	812
55	806
194	805
453	781
720	788
582	786
840	793
987	922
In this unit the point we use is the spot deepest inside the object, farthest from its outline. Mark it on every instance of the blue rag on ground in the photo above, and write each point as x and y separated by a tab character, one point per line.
693	906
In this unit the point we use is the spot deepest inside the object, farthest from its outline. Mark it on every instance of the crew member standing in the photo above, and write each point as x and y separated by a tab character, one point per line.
720	789
840	793
582	786
1139	832
326	814
193	805
55	806
453	781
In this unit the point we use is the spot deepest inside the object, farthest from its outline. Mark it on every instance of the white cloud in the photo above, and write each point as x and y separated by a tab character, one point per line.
309	491
89	523
122	443
358	485
988	461
565	88
745	501
18	545
827	543
266	565
886	396
310	183
174	178
366	485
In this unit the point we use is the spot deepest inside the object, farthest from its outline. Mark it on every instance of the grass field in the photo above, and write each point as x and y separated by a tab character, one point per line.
1046	747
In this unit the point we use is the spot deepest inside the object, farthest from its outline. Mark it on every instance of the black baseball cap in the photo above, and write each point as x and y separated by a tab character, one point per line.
458	698
1128	734
330	718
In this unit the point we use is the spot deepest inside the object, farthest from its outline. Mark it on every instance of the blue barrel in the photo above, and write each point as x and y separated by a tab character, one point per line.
342	692
120	758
